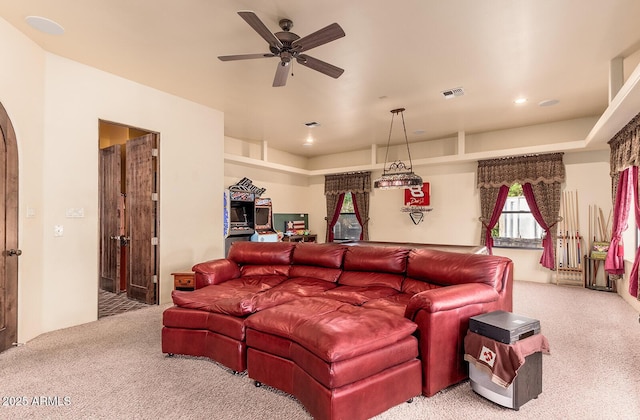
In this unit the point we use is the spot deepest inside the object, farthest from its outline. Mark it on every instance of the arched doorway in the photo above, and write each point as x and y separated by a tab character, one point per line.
8	232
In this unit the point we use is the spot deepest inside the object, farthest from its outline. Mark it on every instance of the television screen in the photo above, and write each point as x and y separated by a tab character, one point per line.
237	215
263	217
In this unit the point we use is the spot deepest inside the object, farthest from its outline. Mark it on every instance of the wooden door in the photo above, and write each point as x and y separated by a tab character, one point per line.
142	218
8	233
110	218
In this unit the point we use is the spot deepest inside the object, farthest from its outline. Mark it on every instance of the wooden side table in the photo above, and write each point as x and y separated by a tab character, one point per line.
184	280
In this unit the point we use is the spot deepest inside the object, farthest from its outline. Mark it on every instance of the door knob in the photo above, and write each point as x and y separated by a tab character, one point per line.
14	252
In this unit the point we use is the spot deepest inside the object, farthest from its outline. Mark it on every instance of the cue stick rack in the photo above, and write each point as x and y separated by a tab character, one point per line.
570	248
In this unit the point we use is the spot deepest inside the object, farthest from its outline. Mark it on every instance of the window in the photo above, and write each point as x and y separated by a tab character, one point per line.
347	228
516	227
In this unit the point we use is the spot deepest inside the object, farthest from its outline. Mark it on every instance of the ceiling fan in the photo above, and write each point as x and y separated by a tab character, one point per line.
286	45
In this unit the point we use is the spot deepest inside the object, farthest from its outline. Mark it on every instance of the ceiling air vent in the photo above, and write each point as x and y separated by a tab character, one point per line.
451	93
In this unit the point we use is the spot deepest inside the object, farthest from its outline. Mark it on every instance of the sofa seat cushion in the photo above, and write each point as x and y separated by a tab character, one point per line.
322	273
330	329
396	304
288	290
232	297
371	279
193	319
358	295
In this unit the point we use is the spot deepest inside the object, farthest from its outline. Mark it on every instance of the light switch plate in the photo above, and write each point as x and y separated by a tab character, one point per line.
58	230
72	213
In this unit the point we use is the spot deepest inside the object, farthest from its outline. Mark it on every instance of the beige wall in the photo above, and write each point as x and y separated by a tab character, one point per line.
191	137
55	107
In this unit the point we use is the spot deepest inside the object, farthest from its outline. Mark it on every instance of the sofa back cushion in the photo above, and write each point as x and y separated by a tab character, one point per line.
262	258
374	266
443	268
320	261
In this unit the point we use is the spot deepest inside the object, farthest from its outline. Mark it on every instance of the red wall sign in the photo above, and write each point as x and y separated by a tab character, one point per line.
417	196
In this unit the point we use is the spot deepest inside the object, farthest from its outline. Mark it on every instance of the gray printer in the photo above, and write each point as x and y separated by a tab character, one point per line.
504	327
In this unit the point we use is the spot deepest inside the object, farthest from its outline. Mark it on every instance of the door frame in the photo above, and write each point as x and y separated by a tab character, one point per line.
137	132
11	225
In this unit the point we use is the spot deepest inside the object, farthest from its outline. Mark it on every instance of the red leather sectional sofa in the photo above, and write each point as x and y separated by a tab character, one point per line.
350	331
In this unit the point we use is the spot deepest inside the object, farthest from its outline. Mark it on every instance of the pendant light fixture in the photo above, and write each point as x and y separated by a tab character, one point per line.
397	174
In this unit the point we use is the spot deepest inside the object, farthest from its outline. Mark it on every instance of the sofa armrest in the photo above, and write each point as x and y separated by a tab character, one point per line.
442	315
450	297
215	272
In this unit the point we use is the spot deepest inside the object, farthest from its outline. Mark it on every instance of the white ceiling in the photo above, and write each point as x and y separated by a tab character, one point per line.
395	54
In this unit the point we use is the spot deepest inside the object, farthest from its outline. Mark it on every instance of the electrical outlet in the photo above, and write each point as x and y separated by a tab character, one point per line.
58	230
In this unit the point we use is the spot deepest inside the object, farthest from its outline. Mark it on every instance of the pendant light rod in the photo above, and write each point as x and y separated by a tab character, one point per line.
406	139
397	175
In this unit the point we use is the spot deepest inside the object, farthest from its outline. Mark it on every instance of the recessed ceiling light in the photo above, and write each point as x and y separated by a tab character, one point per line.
520	101
312	124
45	25
419	132
549	102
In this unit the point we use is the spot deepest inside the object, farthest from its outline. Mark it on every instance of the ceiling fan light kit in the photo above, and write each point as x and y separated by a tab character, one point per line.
287	45
397	174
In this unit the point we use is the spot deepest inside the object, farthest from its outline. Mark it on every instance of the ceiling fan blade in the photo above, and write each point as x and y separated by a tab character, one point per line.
319	37
282	72
254	21
243	56
319	65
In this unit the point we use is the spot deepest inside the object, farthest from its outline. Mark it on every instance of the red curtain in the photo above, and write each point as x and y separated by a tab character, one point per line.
633	278
495	216
335	217
614	263
547	260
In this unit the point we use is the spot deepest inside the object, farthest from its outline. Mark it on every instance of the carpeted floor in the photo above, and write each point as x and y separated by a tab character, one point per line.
114	368
112	304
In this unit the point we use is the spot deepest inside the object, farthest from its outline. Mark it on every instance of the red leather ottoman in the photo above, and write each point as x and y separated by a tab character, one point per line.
340	361
199	333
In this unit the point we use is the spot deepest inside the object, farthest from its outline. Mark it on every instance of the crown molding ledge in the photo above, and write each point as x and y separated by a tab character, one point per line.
577	145
624	106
